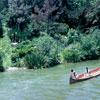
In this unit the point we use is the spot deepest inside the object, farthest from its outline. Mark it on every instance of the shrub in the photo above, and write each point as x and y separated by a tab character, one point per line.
86	48
71	53
49	48
58	28
20	52
72	36
34	60
90	45
40	52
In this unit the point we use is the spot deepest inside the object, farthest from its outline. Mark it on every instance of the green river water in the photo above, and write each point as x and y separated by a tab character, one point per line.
49	84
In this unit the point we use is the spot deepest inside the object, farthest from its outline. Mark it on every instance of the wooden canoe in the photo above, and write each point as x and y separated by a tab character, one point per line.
82	77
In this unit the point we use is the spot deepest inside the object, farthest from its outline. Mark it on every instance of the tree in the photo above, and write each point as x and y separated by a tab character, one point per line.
3	10
25	15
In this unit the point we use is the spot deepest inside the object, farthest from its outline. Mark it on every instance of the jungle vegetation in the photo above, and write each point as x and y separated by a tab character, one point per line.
43	33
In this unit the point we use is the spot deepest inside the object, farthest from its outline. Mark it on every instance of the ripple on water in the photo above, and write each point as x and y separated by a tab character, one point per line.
49	84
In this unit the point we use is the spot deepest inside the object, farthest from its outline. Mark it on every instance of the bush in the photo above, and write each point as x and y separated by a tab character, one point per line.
71	53
40	52
90	45
49	48
34	60
58	28
86	48
20	52
73	36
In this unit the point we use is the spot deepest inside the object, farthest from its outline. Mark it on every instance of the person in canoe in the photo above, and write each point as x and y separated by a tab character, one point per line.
73	74
87	70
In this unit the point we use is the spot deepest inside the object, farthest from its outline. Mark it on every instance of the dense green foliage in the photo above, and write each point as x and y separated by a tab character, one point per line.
40	52
19	52
71	53
49	48
48	32
90	45
34	60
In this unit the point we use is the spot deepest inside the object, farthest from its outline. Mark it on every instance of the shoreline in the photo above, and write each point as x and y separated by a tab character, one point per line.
16	68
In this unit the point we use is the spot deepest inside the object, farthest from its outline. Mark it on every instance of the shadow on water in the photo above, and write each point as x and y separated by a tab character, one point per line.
49	84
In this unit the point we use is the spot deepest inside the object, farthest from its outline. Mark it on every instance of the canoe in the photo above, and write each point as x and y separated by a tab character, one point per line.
82	77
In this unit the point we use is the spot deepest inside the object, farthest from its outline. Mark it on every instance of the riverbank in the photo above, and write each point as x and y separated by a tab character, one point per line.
16	68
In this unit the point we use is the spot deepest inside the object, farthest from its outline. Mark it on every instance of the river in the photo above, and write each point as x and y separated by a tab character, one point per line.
49	84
